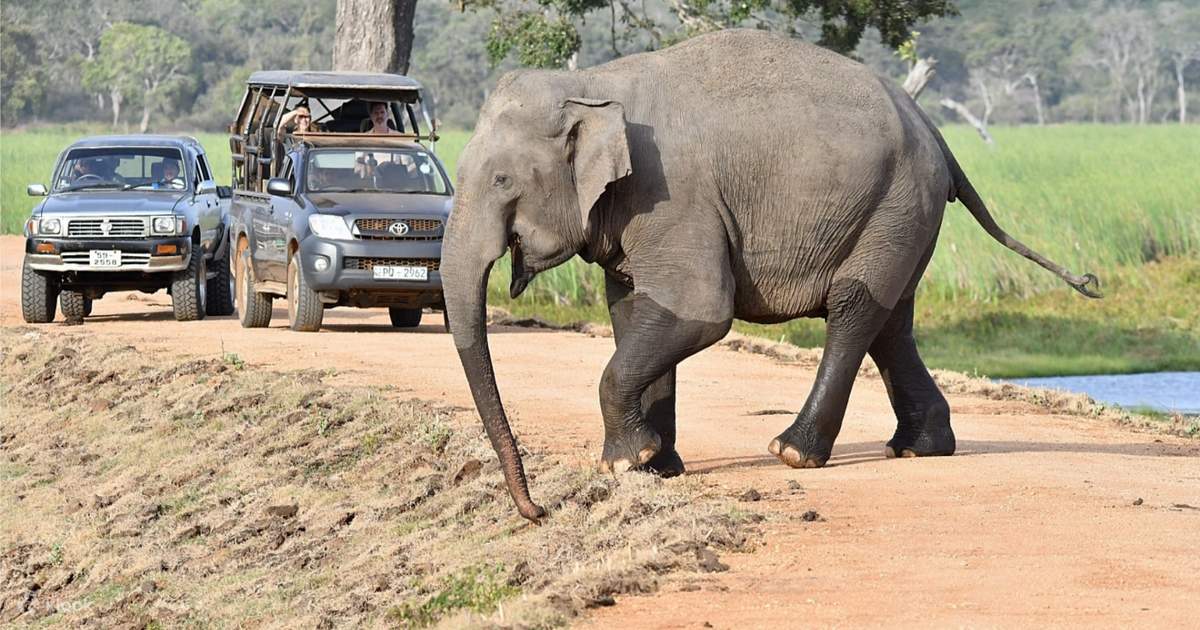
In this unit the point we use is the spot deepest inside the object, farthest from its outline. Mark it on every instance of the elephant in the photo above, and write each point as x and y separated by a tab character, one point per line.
738	174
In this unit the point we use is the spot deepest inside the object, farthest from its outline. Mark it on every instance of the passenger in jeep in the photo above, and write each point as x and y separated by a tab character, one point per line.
379	119
298	120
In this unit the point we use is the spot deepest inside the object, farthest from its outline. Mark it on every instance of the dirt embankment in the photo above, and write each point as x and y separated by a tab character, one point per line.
140	491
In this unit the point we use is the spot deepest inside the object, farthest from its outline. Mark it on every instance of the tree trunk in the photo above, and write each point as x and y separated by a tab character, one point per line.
1181	90
142	128
374	35
1037	99
115	96
966	114
918	76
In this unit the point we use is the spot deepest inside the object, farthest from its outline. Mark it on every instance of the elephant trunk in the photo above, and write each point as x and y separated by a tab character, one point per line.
465	277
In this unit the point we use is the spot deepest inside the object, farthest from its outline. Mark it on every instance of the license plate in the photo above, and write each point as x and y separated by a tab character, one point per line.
387	272
104	258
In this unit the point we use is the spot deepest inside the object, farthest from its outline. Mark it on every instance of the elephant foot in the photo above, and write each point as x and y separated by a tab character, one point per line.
800	453
666	464
630	450
921	444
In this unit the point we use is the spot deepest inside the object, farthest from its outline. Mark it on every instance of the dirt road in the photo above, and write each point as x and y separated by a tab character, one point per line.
1033	522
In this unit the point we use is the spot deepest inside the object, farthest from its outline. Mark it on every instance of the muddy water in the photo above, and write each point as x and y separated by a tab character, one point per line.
1162	391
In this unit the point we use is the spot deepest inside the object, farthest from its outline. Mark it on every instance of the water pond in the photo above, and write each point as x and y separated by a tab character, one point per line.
1161	391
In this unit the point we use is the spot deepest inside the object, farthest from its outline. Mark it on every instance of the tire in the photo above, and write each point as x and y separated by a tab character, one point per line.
305	310
39	296
253	308
405	317
189	288
221	288
74	305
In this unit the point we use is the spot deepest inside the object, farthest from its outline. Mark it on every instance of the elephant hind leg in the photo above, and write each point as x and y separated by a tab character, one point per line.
922	413
854	320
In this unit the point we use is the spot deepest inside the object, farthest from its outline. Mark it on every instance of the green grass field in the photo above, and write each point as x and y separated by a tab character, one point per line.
1100	198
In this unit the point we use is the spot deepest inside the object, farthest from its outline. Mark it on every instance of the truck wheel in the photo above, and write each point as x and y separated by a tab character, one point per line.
405	317
254	308
39	296
74	305
305	310
189	288
220	288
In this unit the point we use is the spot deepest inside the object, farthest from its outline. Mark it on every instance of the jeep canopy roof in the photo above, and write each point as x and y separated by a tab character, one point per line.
362	85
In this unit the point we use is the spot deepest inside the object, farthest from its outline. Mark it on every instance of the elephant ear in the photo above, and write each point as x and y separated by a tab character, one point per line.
598	150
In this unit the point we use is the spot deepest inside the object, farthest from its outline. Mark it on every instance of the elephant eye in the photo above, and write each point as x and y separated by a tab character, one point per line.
501	181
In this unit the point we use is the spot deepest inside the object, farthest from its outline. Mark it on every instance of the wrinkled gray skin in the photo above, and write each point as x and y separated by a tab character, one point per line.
738	174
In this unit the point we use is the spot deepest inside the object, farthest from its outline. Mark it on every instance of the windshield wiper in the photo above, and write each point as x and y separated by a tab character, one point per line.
96	185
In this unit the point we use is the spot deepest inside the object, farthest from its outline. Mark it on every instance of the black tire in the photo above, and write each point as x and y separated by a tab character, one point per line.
74	305
405	317
189	288
305	310
39	296
253	308
220	288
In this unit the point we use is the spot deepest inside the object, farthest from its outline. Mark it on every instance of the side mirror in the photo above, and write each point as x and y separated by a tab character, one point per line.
279	186
36	190
225	192
206	187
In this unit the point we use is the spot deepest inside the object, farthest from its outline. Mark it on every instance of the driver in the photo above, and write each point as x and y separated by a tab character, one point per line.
170	171
89	168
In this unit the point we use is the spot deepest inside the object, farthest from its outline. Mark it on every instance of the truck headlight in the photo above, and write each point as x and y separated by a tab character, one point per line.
329	226
47	227
163	225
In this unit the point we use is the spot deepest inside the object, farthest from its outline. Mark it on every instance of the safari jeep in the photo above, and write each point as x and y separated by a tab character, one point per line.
128	213
329	215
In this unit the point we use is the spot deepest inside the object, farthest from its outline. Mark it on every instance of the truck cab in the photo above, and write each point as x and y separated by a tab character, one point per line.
328	214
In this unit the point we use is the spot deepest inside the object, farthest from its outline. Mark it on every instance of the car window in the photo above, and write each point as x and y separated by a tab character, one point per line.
398	170
146	168
202	166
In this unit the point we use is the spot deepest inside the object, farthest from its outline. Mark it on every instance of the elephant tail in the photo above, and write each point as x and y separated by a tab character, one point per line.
962	189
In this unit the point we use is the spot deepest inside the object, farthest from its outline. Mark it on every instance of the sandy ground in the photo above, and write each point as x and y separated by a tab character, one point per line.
1033	522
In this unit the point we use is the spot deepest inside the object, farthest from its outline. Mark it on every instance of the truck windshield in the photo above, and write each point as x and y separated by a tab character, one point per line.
399	170
125	168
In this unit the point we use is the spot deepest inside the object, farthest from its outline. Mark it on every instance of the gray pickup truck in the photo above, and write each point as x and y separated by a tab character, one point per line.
330	215
128	213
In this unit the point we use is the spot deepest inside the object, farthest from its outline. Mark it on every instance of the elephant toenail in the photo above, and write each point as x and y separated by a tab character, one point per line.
646	455
889	452
775	447
908	452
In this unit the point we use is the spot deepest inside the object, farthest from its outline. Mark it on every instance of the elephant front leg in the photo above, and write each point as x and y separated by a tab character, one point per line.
637	391
853	321
922	414
658	401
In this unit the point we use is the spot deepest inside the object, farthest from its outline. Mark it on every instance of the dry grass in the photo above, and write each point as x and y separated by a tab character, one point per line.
210	494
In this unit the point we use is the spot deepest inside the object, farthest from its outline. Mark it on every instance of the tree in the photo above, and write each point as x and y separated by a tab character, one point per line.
374	35
138	62
543	32
21	81
1181	42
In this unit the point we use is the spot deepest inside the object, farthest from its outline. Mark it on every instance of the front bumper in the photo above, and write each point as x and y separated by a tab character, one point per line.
71	254
350	271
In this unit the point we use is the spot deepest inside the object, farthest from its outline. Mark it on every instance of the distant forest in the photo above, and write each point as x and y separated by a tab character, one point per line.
181	64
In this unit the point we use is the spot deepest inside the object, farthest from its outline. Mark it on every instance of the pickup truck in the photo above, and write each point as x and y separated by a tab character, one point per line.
128	213
328	215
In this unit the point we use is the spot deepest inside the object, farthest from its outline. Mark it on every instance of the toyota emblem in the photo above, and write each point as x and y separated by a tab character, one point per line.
105	227
398	228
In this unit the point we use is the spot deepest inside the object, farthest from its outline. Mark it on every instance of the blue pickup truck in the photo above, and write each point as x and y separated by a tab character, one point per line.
128	213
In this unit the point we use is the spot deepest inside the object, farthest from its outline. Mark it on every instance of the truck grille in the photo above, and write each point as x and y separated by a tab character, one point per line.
128	259
418	229
355	262
107	228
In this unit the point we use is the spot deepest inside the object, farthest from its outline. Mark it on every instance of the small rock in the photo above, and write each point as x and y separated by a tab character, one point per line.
794	485
1138	501
469	470
100	502
707	625
810	516
709	562
751	495
283	511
